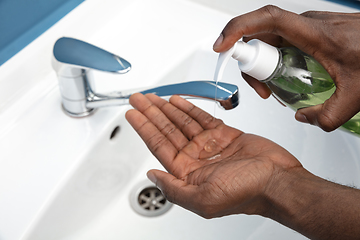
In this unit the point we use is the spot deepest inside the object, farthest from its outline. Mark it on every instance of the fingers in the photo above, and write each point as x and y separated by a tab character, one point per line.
171	186
157	118
175	161
272	39
184	122
158	144
269	19
208	143
205	120
323	15
176	190
314	34
274	26
268	38
261	88
162	137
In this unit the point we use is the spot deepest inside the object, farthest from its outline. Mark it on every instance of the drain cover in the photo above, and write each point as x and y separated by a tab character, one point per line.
147	200
151	199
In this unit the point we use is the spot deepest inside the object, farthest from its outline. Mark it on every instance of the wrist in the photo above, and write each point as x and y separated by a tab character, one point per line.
315	207
285	193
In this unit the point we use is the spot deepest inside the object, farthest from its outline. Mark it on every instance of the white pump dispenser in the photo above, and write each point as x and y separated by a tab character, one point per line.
292	75
255	58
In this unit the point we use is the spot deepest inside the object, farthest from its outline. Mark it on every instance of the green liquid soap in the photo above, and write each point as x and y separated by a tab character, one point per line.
294	77
300	81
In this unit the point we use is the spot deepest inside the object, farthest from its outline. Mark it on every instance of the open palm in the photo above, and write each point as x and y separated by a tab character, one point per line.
214	170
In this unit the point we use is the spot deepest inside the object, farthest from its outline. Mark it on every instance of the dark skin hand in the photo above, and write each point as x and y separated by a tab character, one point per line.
331	38
215	170
203	155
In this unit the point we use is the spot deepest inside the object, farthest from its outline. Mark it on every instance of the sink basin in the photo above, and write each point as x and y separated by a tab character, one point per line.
65	178
95	200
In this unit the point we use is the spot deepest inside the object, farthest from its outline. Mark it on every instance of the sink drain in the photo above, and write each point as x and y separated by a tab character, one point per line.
151	199
147	200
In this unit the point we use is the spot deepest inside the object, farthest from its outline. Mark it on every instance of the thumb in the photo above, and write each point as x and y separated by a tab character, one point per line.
330	115
175	190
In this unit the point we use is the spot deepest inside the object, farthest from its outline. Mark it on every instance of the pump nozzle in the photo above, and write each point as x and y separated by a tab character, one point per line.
255	58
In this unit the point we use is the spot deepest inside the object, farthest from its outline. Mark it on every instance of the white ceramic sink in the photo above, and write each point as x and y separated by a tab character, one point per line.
65	178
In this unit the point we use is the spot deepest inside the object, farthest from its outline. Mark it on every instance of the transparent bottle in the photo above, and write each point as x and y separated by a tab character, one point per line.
293	76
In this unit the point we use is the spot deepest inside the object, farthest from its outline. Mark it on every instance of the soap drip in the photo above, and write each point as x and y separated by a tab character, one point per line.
210	146
223	59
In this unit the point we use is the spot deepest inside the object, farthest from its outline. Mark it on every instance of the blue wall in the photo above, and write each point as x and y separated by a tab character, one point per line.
21	21
350	3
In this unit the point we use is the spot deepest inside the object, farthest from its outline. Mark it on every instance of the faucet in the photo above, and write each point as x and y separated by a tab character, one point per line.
73	61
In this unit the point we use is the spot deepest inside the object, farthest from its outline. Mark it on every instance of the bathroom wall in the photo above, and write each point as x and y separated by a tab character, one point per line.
233	7
349	3
21	21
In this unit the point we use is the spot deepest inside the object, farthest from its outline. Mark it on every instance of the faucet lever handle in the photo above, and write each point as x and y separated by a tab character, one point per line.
81	54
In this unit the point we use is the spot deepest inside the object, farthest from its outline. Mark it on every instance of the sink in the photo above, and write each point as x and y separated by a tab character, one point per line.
95	200
63	178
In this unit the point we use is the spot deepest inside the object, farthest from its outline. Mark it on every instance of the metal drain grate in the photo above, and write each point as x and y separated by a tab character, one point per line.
151	199
147	200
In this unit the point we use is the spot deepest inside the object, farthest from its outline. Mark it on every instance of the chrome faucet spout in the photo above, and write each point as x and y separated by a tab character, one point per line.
74	59
226	94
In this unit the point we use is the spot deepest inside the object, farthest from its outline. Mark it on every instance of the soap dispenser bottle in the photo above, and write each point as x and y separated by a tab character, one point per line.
293	76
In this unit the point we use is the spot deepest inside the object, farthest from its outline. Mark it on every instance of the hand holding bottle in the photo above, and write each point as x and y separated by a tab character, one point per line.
331	38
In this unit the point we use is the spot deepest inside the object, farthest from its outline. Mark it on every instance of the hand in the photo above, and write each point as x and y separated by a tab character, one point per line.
331	38
214	170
